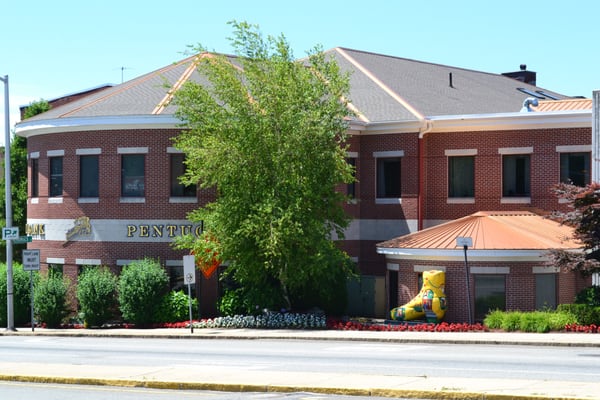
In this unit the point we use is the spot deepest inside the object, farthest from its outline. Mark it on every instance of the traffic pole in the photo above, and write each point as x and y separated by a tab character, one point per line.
10	321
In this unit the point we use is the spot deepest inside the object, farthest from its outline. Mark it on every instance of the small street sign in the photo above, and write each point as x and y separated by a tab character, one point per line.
10	233
31	260
189	269
23	239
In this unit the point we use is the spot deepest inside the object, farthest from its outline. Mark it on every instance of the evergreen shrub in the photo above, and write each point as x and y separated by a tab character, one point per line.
97	295
141	287
52	299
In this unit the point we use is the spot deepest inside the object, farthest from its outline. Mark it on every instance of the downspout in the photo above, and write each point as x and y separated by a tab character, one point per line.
426	127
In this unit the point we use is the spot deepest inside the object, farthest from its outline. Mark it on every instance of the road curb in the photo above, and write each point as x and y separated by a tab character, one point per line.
237	388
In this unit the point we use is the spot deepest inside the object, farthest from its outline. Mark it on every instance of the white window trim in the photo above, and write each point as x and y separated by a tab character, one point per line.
34	154
88	152
515	150
351	154
132	199
55	260
545	270
55	153
88	261
132	150
388	154
460	200
173	150
584	148
489	270
460	152
183	200
88	200
423	268
515	200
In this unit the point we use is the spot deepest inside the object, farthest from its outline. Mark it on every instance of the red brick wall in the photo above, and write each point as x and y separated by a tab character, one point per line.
488	168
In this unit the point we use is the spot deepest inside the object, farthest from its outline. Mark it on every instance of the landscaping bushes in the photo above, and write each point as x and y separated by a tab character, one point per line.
142	285
52	299
97	296
532	321
21	295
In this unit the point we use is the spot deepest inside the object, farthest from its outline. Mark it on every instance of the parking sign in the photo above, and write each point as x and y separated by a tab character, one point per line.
31	260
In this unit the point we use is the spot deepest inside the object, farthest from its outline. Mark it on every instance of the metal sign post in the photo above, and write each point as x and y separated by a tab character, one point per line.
189	272
465	243
31	262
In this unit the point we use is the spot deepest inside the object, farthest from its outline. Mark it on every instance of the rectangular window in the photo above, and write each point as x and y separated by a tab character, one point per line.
88	176
575	168
56	176
545	291
178	168
35	178
490	294
388	177
461	176
516	175
351	187
132	175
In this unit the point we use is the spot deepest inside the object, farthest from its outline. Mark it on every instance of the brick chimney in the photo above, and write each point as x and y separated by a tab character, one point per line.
523	75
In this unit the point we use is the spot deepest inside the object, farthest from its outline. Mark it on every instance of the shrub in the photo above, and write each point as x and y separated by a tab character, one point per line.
511	321
51	299
175	307
589	296
142	285
494	319
582	313
97	295
21	295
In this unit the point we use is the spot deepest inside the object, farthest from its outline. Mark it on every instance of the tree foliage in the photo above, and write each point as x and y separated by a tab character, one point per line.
584	216
268	132
18	176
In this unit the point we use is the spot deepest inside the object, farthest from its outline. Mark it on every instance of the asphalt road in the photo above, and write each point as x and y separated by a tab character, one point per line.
299	356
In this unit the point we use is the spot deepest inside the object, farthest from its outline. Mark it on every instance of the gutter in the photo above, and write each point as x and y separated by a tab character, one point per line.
426	127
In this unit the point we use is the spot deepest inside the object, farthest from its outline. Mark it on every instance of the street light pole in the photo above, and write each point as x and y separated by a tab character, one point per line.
10	322
467	242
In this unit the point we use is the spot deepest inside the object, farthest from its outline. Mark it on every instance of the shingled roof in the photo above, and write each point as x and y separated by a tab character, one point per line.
383	88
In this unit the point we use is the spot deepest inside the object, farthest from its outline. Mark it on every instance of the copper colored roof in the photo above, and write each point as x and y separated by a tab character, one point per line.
563	105
492	230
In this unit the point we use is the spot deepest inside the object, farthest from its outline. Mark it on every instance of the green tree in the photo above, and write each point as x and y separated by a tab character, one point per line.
268	132
18	176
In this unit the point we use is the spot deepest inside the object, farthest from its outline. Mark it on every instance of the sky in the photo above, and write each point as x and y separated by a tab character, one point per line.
54	48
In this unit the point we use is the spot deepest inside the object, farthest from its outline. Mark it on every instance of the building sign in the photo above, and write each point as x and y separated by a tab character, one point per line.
111	230
159	231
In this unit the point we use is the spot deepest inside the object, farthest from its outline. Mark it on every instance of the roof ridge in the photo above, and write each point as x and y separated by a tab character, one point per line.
382	85
123	87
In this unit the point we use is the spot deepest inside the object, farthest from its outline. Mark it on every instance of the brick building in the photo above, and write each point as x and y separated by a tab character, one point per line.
431	143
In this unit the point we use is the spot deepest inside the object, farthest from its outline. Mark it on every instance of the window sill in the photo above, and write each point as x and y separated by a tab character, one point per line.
55	200
460	200
515	200
177	199
388	201
35	200
88	200
132	200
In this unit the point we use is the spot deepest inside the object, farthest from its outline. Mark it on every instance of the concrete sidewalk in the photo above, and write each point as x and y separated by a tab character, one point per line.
239	379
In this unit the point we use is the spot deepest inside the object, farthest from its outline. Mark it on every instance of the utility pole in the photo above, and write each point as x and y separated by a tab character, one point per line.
10	320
